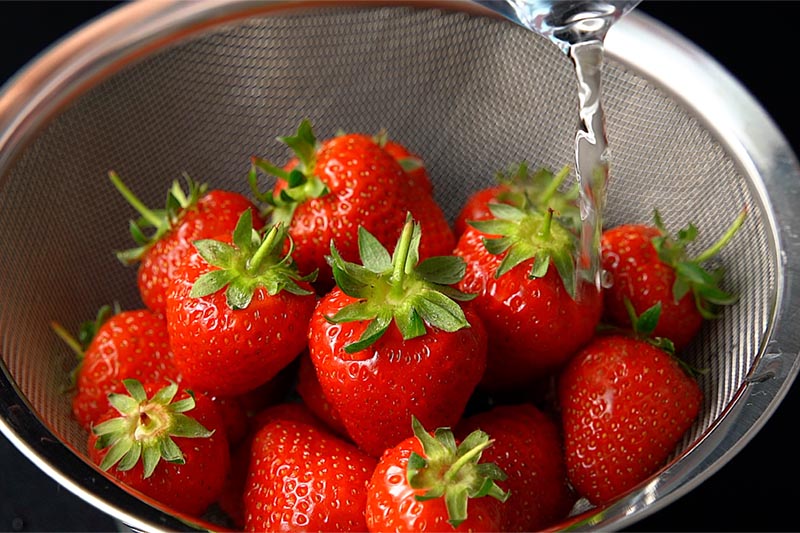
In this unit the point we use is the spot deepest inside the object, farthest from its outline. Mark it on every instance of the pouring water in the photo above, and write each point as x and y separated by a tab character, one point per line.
578	28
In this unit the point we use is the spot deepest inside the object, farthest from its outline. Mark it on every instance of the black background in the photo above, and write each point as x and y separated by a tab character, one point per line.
756	491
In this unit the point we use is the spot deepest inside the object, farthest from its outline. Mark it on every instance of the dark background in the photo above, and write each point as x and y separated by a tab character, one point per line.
756	491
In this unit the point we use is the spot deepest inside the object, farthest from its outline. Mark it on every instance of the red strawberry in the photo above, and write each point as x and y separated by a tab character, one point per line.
537	316
200	214
339	185
303	479
529	449
477	207
520	187
390	341
313	396
411	163
231	500
231	341
626	404
147	442
648	266
116	346
429	483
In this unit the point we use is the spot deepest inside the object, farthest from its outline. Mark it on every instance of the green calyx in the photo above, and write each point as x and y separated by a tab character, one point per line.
643	327
145	428
399	288
645	324
689	274
540	189
253	260
453	472
523	234
156	221
302	183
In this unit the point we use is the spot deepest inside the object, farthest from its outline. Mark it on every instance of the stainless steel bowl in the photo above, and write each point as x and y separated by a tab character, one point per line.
155	89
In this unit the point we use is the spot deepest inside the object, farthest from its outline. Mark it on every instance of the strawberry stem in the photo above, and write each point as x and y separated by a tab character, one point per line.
544	228
715	248
264	250
553	185
68	339
148	214
401	259
471	456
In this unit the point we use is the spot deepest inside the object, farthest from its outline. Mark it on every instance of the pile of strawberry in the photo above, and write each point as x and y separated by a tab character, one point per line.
332	355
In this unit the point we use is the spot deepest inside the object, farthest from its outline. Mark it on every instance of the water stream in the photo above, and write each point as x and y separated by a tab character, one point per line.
578	28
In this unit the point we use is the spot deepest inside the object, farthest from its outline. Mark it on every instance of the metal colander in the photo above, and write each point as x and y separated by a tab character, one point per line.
154	90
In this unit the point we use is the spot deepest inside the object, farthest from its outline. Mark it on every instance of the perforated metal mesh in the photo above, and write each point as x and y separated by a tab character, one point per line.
471	95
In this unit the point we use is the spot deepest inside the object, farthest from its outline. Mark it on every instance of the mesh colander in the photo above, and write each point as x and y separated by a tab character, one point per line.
153	90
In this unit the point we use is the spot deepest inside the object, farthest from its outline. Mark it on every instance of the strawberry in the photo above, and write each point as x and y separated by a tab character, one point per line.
116	346
390	341
537	316
147	442
477	206
528	448
430	483
647	266
313	396
331	188
626	402
231	500
200	214
303	479
413	165
519	187
230	341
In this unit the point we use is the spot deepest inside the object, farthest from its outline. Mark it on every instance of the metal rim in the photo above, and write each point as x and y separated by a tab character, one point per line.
37	93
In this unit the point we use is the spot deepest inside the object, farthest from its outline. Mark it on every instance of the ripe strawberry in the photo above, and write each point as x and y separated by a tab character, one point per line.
303	479
313	396
117	345
528	448
625	404
334	187
232	341
148	443
428	483
520	187
537	316
413	165
231	500
648	266
390	342
200	214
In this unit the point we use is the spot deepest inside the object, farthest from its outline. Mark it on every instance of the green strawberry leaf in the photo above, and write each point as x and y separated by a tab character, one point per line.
374	331
374	256
453	472
520	235
302	183
211	282
398	288
442	270
144	430
161	221
253	261
690	275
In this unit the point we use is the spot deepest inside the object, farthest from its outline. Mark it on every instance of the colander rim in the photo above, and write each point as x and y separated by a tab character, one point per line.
95	50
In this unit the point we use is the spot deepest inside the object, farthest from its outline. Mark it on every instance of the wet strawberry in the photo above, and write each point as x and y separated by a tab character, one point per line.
431	483
147	442
303	479
392	341
200	214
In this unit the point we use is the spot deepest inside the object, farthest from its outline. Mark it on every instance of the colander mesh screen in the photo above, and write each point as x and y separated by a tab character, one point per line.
471	95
